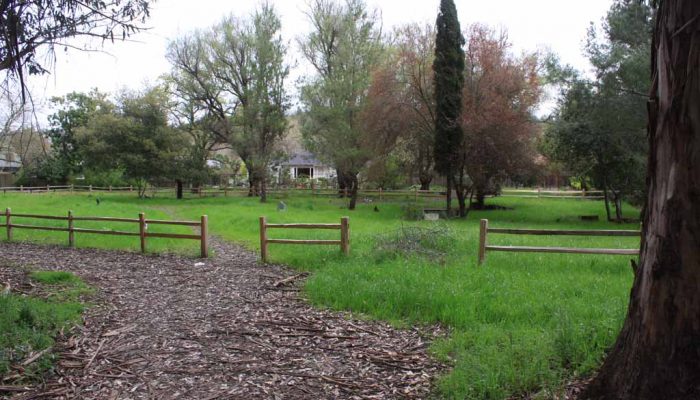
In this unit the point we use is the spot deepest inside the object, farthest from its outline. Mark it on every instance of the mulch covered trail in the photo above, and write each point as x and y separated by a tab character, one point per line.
166	327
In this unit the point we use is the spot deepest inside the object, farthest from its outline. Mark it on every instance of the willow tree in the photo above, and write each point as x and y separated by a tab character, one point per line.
657	355
343	47
448	69
236	72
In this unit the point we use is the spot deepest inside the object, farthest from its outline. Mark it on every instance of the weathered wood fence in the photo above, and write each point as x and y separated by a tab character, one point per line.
343	226
555	194
485	230
143	223
65	188
380	194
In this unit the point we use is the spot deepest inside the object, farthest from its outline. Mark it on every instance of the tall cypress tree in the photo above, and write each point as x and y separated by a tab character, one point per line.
448	70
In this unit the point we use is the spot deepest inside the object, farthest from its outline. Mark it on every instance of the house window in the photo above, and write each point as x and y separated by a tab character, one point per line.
304	172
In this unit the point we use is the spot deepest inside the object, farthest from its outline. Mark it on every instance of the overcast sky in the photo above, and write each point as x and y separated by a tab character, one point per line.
558	25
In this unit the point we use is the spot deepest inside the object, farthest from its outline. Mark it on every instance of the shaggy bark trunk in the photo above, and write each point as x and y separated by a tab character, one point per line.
657	353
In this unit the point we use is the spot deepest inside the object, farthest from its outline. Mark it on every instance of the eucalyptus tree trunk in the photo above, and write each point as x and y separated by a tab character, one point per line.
657	355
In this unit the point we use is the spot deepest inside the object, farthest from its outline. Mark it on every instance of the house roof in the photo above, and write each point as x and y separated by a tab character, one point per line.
11	165
303	158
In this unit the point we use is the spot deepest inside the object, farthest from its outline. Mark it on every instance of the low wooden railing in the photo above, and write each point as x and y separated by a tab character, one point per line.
485	230
143	233
343	226
553	194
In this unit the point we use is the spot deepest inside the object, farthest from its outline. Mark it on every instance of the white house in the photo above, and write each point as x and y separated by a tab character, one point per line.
304	165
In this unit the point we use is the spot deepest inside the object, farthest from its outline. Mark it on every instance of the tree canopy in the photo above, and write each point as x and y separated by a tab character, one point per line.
448	68
598	128
344	47
26	26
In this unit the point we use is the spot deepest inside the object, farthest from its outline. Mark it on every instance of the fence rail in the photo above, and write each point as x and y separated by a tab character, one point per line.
484	230
381	194
143	223
343	226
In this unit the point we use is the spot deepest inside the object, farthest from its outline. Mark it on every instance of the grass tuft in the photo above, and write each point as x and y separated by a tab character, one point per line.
30	324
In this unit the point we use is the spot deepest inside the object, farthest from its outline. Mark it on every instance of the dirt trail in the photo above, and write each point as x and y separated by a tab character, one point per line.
169	327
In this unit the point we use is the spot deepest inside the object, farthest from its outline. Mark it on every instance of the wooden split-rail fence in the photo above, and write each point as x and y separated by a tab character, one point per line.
143	223
484	231
343	226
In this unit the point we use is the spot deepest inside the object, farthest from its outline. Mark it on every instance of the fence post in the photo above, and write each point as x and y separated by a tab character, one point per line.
71	234
205	240
110	188
8	221
263	239
71	188
131	188
48	189
538	192
345	235
21	188
90	188
483	231
142	231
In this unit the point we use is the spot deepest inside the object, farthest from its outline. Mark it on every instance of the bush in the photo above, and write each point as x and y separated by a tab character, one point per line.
412	212
434	242
104	178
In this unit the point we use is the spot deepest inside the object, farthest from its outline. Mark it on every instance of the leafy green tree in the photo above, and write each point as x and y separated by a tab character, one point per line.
74	111
344	47
236	72
136	139
448	69
598	129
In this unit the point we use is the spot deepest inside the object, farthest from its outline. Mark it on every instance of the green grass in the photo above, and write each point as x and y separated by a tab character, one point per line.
521	323
30	324
83	205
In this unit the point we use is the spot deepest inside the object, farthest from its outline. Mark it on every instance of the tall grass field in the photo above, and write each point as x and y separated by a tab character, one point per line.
520	324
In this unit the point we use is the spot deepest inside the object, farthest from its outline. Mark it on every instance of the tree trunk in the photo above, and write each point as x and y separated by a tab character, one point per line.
179	189
462	201
263	191
252	184
448	198
618	206
344	183
425	180
480	200
353	191
606	196
657	354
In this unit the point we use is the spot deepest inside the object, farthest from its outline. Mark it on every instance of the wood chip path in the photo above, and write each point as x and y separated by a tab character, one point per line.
167	327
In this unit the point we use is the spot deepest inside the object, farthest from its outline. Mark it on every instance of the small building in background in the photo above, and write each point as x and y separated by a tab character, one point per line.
10	164
304	165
